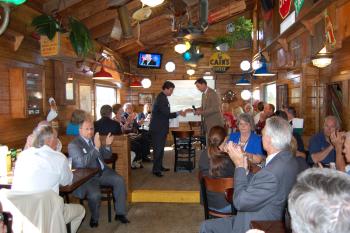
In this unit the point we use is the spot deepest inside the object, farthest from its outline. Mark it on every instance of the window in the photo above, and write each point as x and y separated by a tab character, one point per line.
104	95
185	95
270	94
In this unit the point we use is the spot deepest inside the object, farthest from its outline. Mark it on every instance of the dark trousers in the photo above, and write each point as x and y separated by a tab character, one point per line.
91	190
158	141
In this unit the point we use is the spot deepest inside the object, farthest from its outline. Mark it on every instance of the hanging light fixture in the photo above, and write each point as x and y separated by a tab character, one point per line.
170	66
190	72
263	71
152	3
246	94
180	48
245	65
135	83
322	59
146	83
243	81
102	75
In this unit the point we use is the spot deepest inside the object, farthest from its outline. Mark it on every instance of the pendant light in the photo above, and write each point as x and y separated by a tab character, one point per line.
102	75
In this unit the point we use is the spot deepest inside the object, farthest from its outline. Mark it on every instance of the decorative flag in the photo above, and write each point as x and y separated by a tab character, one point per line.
329	29
284	8
298	5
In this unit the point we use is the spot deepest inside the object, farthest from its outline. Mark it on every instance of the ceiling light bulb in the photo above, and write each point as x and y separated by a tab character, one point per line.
146	83
190	72
180	48
152	3
188	45
246	94
245	65
170	66
256	65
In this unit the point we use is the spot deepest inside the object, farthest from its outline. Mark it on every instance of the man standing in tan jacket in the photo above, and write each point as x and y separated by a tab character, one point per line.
210	109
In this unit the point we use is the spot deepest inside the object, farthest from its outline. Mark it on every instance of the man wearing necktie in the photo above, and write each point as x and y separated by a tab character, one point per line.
210	109
86	151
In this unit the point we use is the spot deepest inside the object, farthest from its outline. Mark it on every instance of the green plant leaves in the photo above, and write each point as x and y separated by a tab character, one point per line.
242	31
46	25
80	38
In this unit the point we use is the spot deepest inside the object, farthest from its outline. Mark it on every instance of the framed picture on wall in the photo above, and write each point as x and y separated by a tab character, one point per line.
85	101
282	96
145	98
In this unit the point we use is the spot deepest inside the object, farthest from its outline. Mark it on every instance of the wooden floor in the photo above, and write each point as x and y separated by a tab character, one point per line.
150	216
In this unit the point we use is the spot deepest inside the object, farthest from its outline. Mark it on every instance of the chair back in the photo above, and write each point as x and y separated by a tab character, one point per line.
217	185
65	140
34	212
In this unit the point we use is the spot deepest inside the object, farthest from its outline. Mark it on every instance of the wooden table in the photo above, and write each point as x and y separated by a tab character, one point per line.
80	176
269	226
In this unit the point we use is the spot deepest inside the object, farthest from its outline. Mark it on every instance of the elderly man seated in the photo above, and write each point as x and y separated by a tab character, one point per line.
264	195
41	168
321	146
86	151
320	202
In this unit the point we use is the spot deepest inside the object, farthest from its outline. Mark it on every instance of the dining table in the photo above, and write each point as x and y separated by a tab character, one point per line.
80	176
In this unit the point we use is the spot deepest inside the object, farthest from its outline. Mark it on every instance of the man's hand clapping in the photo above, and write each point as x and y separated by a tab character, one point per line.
97	141
109	139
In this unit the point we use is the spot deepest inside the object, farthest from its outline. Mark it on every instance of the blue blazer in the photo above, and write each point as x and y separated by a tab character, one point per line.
254	145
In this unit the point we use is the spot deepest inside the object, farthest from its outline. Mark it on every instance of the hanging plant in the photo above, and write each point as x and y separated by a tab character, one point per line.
79	35
242	30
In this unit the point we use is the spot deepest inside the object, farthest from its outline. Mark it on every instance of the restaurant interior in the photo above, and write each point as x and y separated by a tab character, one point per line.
60	56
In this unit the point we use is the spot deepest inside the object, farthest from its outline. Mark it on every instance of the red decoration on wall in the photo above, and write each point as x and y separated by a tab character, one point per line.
284	7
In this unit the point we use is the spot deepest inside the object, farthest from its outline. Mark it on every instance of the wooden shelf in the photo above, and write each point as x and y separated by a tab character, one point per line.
301	21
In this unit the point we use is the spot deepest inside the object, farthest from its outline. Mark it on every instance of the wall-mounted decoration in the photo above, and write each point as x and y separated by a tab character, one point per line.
282	96
145	98
298	5
85	102
284	8
220	62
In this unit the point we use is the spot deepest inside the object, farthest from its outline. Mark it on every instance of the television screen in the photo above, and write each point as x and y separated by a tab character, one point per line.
149	60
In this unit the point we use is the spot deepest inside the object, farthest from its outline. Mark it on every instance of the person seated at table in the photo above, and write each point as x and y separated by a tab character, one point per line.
128	119
143	120
78	116
300	151
86	151
246	138
269	110
319	202
263	196
105	124
30	138
229	118
320	146
341	141
216	163
41	168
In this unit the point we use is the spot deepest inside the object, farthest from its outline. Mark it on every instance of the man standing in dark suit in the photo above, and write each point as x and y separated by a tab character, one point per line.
86	151
264	196
159	126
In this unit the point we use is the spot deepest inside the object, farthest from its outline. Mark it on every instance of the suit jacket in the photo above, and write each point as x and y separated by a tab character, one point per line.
265	196
106	125
161	115
211	110
84	156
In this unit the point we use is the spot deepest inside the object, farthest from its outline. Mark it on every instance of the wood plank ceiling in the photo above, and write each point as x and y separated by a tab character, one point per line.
159	29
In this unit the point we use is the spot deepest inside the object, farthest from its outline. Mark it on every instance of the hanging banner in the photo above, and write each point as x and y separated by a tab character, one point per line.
329	29
284	7
220	62
298	5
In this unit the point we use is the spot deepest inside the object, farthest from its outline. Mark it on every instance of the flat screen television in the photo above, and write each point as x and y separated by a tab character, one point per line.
149	60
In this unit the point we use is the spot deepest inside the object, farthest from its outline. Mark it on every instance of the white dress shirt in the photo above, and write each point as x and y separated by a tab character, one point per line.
270	157
40	169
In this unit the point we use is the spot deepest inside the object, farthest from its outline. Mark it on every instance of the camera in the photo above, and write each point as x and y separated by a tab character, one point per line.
6	218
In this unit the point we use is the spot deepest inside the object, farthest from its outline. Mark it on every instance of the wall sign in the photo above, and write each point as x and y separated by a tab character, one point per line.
284	7
220	62
298	5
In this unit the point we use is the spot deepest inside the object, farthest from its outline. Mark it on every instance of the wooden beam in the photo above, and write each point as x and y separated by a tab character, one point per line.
284	44
57	6
100	18
102	30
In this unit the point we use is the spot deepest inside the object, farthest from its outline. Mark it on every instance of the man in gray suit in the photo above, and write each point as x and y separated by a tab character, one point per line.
86	151
210	109
264	196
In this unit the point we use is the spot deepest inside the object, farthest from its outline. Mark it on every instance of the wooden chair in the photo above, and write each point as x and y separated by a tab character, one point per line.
217	185
198	136
185	154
